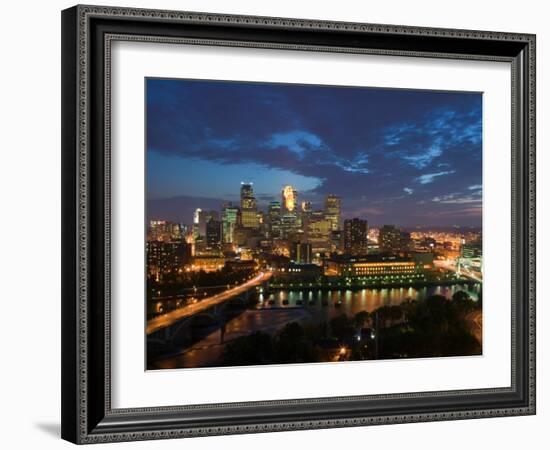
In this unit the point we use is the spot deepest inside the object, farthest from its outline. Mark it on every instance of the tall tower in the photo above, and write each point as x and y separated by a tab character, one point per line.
249	210
198	218
230	215
289	198
274	218
333	210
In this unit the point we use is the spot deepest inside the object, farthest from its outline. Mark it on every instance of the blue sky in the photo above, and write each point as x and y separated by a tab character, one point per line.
405	157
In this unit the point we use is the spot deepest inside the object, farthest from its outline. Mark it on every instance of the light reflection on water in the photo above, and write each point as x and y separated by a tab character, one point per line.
281	307
351	302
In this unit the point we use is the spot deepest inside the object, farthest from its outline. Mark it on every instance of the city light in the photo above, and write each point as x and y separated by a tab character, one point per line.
241	249
289	198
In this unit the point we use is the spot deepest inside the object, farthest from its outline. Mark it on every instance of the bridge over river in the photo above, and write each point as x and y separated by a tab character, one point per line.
169	329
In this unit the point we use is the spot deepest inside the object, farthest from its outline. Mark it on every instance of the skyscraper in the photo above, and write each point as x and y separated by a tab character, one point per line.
318	232
389	239
246	190
159	230
213	233
356	236
249	210
230	215
274	218
289	198
197	216
333	207
289	224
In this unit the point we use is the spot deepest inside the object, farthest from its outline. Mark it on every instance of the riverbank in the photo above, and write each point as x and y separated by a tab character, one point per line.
277	309
354	285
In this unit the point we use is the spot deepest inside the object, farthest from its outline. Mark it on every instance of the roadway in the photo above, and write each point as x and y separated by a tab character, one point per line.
172	317
451	265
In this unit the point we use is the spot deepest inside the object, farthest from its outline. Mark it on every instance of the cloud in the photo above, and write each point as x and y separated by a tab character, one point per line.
430	177
455	213
299	142
371	146
458	198
422	142
422	160
365	212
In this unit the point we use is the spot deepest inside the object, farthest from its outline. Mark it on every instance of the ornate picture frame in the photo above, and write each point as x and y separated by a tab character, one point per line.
87	35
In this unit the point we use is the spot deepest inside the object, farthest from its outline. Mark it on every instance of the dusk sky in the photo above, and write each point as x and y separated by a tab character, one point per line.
404	157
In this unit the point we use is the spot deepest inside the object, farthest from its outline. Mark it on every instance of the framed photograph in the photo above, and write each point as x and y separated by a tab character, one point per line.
280	224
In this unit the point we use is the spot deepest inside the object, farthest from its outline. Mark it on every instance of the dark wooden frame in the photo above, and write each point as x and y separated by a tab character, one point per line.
87	32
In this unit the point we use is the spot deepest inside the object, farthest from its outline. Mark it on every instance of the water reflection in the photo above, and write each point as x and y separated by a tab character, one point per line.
351	302
315	306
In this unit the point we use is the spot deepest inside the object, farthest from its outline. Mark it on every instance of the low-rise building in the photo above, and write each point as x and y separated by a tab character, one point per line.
302	272
207	263
370	266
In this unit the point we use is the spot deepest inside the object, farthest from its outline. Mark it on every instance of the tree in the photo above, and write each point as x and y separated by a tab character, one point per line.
396	313
383	314
341	327
292	345
256	348
361	319
463	303
461	296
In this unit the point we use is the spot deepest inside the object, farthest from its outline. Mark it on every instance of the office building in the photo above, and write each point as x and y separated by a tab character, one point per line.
389	239
333	208
249	210
289	199
356	236
213	233
230	217
274	219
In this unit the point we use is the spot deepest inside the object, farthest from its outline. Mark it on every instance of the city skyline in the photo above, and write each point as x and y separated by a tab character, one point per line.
283	224
417	153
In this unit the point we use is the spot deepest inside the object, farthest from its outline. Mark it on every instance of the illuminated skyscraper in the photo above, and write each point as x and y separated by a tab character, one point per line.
159	230
289	198
356	236
249	210
336	240
389	239
289	224
246	190
229	222
333	207
274	218
318	232
197	215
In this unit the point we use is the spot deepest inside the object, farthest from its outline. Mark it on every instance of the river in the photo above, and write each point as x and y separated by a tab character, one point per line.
315	306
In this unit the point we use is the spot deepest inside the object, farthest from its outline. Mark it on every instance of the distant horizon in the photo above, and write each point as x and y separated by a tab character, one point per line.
410	158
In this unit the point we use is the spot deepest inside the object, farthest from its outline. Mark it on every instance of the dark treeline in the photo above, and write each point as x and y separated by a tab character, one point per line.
433	327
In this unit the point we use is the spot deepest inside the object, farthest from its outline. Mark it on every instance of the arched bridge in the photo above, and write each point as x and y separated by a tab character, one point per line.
172	328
